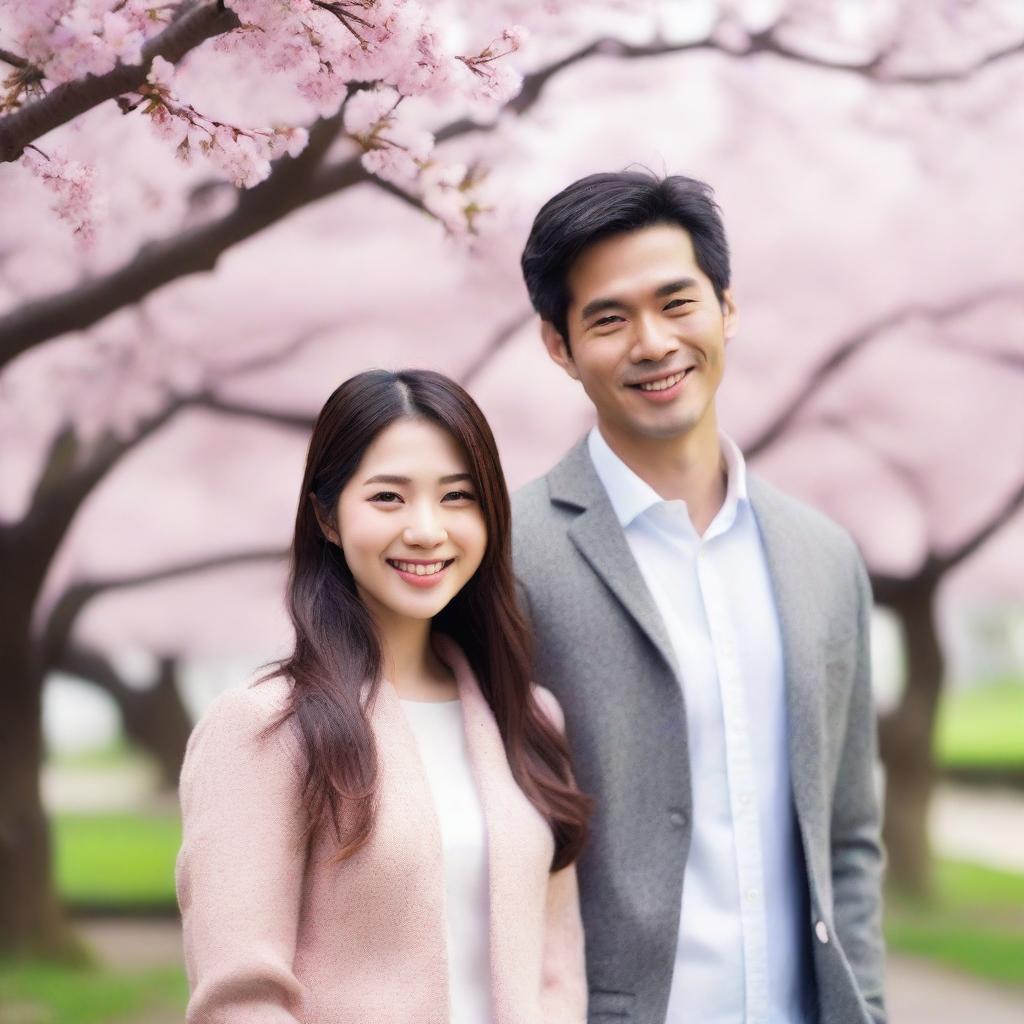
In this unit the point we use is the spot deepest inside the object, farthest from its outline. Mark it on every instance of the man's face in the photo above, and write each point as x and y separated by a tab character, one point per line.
647	333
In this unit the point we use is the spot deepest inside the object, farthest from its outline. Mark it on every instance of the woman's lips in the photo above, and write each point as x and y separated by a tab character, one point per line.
421	574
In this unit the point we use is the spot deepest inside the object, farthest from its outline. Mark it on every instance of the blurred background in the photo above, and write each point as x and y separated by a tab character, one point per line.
167	335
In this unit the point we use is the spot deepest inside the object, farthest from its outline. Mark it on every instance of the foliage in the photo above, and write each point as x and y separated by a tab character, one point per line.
974	921
116	860
982	727
43	993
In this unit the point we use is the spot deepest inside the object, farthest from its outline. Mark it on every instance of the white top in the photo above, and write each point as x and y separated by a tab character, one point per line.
441	739
742	956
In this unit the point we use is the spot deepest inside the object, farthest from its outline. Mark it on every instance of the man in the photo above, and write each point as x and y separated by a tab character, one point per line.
707	637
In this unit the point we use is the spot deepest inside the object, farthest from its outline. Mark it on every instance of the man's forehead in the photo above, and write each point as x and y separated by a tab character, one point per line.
640	261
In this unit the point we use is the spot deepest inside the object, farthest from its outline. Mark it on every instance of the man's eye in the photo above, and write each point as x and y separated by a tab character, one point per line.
606	320
459	496
387	497
676	303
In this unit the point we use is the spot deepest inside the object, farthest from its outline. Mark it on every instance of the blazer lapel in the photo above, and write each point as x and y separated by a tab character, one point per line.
793	601
600	539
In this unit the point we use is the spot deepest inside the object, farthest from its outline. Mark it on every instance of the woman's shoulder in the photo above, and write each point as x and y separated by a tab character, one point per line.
245	715
256	703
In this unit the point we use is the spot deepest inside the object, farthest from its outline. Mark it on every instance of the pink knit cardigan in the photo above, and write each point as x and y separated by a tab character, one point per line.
277	933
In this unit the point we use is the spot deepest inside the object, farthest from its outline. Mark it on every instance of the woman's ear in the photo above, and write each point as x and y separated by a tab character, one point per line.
325	527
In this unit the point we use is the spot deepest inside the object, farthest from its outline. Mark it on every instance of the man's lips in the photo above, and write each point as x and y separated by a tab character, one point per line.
663	382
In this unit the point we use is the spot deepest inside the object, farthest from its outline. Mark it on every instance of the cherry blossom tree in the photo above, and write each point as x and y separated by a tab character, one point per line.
292	152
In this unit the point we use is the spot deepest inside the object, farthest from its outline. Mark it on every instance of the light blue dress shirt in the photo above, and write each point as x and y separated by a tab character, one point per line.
743	952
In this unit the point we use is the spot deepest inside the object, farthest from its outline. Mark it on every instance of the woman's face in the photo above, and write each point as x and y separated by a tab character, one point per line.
409	522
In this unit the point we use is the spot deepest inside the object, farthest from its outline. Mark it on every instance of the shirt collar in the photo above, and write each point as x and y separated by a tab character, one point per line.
630	496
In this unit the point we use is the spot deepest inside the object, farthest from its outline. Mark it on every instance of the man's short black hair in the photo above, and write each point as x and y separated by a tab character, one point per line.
602	205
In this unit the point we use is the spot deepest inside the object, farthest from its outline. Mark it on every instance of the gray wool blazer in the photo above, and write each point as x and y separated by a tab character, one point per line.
601	647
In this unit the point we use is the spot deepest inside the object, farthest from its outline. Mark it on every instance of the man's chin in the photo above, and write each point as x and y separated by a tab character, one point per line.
669	425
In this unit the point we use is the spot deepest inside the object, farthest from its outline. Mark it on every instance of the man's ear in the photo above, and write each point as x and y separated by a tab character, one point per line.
730	314
325	527
558	348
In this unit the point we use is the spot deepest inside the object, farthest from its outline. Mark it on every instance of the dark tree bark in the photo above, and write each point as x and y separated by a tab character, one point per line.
905	739
153	717
30	917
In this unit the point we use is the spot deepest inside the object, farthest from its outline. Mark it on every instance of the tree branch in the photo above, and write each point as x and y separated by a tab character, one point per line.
497	342
851	345
889	589
61	621
278	417
67	479
292	183
943	563
193	25
13	59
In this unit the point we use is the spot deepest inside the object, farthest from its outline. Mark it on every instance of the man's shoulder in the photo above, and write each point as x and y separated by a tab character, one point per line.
813	526
532	500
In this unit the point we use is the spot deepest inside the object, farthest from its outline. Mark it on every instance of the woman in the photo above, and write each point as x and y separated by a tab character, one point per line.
383	829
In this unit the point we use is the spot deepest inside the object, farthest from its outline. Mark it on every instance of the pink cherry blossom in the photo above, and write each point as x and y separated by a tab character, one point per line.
76	199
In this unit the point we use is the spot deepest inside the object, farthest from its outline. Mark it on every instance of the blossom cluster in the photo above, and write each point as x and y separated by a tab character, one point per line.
370	55
75	197
64	40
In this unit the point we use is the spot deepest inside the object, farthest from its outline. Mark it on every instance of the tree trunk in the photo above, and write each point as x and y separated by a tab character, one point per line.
906	742
31	919
156	719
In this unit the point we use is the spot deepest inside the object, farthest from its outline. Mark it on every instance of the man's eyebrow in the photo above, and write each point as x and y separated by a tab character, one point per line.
675	286
599	306
387	478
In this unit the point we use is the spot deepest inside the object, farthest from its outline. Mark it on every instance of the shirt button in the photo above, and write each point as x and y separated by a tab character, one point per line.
677	818
744	800
822	932
752	895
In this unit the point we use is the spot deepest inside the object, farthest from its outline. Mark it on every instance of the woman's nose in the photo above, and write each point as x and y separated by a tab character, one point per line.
424	529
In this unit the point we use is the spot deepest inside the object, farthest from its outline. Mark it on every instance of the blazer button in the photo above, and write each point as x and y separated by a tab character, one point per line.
822	932
677	818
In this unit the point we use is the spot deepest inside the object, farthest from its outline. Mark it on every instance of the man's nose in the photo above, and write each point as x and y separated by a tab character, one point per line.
653	341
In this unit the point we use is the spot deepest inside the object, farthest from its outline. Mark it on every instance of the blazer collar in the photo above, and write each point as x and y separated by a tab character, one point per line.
598	537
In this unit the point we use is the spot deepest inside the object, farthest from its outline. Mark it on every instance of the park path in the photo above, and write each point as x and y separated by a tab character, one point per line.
985	826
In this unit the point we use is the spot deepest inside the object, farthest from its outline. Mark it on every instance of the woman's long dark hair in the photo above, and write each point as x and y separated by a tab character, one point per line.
337	648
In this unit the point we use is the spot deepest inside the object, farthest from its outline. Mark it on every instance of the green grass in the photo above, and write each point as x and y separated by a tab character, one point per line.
982	727
975	922
117	753
36	993
116	860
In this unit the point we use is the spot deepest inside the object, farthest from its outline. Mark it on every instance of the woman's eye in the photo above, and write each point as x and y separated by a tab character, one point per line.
458	496
387	497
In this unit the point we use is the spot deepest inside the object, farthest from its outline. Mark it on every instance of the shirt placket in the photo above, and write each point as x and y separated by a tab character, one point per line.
740	773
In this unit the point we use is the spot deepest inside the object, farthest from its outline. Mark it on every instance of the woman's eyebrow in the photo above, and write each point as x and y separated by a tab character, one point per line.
387	478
